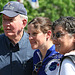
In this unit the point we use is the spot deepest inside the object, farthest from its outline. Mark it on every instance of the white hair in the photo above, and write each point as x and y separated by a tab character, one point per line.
24	17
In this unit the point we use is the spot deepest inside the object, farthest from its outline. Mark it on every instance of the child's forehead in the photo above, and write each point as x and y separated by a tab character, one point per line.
32	27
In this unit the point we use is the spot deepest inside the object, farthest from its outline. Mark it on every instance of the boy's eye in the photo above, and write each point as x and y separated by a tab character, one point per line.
28	33
32	34
7	19
35	33
11	19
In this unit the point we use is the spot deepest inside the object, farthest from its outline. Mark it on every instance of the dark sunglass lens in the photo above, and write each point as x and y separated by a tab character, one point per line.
58	34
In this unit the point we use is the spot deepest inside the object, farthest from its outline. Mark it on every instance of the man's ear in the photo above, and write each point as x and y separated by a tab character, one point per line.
49	33
24	22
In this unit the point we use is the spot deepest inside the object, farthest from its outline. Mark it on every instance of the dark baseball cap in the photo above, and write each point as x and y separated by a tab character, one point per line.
13	8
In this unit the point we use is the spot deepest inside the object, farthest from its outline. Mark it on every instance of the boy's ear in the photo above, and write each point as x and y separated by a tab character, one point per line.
49	33
24	22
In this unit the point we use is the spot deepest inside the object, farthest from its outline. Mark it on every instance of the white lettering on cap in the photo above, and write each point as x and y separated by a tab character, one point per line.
9	7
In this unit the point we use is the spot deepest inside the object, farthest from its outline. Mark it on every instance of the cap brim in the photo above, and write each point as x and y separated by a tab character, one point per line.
9	13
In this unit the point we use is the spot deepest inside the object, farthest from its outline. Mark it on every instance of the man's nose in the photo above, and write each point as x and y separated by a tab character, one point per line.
30	37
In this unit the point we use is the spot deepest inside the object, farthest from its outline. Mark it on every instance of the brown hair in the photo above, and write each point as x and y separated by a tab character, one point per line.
68	23
43	23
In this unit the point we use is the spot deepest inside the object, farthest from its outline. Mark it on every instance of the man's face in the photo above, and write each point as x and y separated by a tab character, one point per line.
12	26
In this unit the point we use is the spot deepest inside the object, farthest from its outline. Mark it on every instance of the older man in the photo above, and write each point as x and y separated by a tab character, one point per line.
15	48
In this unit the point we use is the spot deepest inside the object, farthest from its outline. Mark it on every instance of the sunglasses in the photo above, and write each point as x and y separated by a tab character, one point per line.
37	67
58	34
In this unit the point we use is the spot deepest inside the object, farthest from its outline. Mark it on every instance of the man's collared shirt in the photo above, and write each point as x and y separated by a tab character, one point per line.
12	57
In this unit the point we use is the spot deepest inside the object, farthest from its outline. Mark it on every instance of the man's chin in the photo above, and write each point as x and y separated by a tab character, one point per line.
33	47
10	35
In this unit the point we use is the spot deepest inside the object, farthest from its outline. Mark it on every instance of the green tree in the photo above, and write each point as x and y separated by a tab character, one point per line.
48	8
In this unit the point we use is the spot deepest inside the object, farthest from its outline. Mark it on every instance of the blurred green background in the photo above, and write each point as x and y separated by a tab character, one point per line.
48	8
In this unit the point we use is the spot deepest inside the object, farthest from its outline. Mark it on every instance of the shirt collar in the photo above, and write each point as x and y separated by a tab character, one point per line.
21	42
51	51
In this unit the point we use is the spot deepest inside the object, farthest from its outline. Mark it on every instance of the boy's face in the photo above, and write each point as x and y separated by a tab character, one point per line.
12	26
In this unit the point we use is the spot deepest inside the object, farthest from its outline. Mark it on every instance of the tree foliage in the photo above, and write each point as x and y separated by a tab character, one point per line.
48	8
